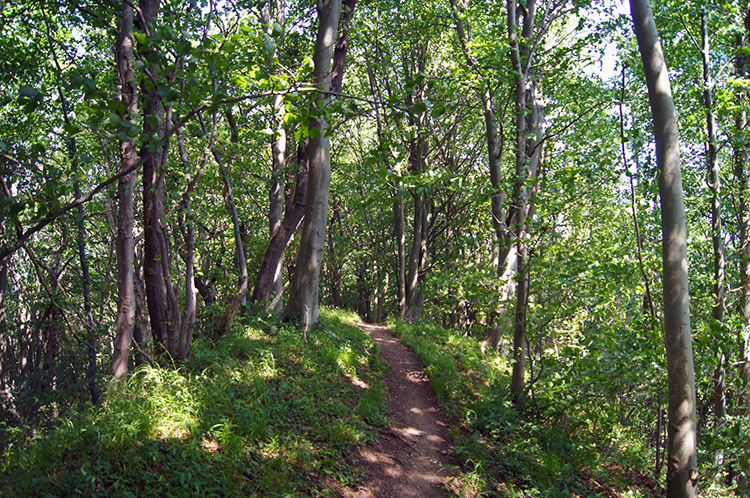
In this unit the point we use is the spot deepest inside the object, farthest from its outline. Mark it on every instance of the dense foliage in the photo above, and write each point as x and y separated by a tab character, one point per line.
493	182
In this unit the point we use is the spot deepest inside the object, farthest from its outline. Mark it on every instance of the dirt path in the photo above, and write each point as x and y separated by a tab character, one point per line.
409	459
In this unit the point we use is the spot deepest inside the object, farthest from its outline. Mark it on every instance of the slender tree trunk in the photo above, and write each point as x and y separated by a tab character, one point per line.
279	157
240	297
276	192
6	354
304	298
412	276
717	238
682	469
743	185
126	186
187	227
527	161
417	151
333	262
398	223
743	195
512	255
270	268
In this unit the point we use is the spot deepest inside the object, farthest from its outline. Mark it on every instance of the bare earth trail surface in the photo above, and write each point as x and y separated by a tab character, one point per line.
409	458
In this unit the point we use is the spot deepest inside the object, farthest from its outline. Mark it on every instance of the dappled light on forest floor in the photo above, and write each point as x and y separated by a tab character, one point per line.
412	456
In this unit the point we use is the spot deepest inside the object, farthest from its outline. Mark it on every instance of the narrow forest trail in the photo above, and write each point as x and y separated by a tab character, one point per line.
409	458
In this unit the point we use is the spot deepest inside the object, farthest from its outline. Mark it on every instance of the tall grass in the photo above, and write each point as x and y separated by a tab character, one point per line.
259	413
547	449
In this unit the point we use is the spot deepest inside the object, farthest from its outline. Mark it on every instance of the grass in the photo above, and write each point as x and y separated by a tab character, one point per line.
545	450
259	413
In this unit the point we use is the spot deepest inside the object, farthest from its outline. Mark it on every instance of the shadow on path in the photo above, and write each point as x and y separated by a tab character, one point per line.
409	459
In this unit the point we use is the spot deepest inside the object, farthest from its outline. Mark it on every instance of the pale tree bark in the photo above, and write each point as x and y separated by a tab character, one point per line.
494	137
528	155
232	208
240	297
682	468
126	186
304	298
278	155
417	255
187	227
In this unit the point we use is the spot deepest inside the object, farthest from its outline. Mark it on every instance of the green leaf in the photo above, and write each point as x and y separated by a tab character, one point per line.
277	29
269	47
419	108
28	92
71	129
114	120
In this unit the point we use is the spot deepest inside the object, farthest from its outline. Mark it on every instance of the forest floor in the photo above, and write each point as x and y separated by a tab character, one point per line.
412	458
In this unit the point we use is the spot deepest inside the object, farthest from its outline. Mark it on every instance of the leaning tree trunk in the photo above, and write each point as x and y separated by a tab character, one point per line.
682	470
304	299
126	185
270	267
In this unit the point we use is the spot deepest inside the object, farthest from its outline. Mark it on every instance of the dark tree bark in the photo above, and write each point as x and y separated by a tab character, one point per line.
342	46
153	154
682	469
293	213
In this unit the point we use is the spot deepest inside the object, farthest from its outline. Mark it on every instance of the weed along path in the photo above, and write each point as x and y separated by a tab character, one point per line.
409	458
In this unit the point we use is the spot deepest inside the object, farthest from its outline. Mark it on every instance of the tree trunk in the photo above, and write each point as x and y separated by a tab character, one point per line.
278	156
126	186
239	299
303	301
682	469
155	259
276	192
743	185
412	277
714	185
270	267
398	223
529	120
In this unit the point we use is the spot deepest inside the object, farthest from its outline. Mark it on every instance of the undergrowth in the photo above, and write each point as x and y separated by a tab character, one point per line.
548	448
259	413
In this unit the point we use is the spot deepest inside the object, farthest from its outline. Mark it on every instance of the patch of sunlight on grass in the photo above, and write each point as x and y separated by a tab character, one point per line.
165	397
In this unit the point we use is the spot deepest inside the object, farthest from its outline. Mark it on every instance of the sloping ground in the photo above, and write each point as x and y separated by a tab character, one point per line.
413	455
263	412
